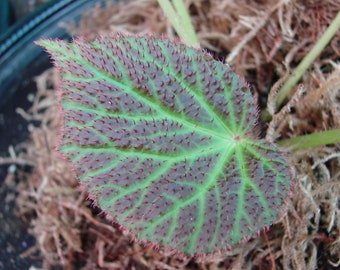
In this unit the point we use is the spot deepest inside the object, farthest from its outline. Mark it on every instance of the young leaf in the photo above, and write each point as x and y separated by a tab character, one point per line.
163	137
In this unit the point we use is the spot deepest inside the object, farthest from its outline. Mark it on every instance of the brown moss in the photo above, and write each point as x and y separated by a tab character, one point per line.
256	37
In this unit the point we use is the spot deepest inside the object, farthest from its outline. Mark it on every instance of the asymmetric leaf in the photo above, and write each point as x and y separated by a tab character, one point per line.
163	137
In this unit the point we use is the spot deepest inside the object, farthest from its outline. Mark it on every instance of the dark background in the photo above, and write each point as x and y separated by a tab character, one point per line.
21	23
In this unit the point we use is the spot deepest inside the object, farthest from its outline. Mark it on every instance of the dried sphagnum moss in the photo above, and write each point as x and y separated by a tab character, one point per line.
256	36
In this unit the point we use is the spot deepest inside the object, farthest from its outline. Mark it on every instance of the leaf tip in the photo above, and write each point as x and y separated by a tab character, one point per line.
46	43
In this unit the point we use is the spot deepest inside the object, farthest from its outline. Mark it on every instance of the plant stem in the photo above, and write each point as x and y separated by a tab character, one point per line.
308	59
180	20
312	140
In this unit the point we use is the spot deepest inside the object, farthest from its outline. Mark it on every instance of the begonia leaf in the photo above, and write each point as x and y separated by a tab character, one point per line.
164	139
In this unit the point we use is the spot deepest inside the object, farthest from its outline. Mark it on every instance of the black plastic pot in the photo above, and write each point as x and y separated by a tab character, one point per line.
20	61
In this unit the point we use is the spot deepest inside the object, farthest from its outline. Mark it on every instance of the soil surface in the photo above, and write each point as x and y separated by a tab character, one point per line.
14	236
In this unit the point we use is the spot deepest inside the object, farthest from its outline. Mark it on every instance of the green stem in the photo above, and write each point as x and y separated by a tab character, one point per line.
312	140
180	20
307	61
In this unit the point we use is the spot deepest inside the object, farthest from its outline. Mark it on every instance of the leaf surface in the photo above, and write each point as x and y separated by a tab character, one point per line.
163	137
